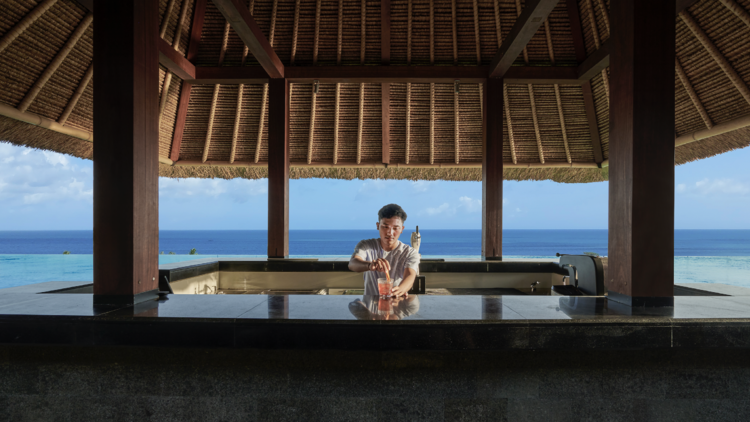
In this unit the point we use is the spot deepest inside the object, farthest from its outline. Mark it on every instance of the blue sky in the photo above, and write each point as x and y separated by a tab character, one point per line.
42	190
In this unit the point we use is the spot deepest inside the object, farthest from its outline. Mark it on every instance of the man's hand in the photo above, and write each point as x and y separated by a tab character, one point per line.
380	265
401	290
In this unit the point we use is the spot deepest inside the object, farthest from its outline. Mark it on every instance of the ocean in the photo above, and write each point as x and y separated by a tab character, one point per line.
714	256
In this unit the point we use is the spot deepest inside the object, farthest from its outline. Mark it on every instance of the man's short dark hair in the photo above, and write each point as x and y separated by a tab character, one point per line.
390	211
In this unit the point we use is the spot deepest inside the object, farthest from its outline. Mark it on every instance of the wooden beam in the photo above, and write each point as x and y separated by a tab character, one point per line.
336	109
295	32
532	17
542	75
641	161
243	23
278	168
88	4
379	165
390	74
576	29
432	123
237	116
360	121
385	104
408	123
126	167
196	30
511	136
596	143
174	61
311	135
595	63
179	125
492	171
692	94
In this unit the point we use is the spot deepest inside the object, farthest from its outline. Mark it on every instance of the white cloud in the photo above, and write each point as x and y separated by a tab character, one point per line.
421	185
708	187
239	190
470	205
445	208
30	176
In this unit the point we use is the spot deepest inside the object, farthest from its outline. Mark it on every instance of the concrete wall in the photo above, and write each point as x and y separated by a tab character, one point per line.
134	384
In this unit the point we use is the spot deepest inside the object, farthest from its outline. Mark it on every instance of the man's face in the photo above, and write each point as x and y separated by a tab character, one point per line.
390	229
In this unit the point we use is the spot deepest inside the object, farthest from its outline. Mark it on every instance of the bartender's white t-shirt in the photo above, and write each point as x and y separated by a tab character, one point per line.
400	258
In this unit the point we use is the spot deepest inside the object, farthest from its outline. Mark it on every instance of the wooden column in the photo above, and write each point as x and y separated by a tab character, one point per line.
126	157
641	154
492	170
278	168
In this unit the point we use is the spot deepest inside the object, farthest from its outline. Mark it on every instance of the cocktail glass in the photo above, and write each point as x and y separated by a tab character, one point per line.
384	287
384	307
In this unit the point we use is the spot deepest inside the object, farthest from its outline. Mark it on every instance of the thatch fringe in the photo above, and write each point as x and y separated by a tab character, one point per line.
413	174
712	146
23	134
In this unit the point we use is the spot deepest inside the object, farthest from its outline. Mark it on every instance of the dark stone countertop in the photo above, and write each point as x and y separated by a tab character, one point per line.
28	316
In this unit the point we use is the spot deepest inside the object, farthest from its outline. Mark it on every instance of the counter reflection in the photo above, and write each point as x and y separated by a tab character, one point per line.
379	308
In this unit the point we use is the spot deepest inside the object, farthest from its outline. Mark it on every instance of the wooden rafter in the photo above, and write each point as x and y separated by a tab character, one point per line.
236	129
719	58
263	109
77	95
509	121
683	5
24	23
532	17
605	14
432	32
340	39
165	19
199	17
311	135
179	126
337	104
456	128
738	10
536	124
598	44
56	62
360	121
518	14
692	94
385	88
316	37
562	123
211	115
175	62
432	123
175	43
594	64
243	23
498	27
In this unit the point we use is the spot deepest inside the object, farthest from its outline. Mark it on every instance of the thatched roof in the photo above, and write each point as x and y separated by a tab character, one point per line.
435	132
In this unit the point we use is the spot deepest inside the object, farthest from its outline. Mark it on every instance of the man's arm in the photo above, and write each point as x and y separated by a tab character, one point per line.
359	265
402	289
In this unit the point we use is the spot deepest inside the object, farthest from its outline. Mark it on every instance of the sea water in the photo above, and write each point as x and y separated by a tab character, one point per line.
707	256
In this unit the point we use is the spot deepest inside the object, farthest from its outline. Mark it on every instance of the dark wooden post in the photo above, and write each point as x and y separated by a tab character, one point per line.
126	155
278	168
492	170
641	160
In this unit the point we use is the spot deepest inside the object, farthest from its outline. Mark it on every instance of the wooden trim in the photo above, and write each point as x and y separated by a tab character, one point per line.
77	95
174	62
25	22
56	62
385	104
243	23
196	30
179	125
532	17
596	143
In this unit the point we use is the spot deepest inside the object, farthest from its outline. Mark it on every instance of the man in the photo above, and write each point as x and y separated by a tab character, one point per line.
375	257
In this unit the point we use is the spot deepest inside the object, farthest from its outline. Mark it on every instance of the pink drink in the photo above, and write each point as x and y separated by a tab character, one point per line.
384	287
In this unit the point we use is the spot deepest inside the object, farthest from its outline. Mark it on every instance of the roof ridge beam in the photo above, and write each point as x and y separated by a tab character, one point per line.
243	23
526	26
